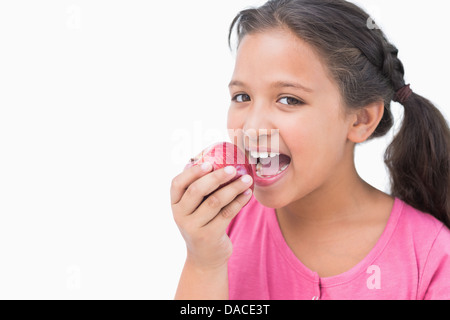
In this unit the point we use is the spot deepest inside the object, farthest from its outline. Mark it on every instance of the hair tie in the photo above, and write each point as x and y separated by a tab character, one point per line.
403	94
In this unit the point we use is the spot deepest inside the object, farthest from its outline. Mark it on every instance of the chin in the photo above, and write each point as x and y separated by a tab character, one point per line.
270	201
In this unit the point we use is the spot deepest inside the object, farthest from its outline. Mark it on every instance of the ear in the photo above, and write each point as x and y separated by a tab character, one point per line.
364	121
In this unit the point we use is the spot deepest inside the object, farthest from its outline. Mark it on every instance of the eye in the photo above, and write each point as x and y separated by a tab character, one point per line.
290	101
241	98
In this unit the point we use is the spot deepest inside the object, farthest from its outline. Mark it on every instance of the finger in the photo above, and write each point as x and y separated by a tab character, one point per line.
203	187
211	207
220	223
181	182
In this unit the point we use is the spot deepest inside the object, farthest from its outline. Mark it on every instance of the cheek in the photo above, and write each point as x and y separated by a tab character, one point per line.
317	143
233	120
234	126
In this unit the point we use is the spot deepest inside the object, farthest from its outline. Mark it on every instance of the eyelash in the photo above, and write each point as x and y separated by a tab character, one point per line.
235	98
298	101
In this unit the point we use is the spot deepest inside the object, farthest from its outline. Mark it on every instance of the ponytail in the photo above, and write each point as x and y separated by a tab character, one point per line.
419	159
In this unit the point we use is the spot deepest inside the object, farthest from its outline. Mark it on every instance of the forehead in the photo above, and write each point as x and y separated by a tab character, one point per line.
278	55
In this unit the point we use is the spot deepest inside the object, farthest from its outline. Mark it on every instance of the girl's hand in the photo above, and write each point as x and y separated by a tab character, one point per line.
203	224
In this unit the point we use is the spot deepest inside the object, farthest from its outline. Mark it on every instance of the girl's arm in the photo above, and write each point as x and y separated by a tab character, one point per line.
203	224
203	284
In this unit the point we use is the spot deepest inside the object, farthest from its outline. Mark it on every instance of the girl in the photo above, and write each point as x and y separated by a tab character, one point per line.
317	79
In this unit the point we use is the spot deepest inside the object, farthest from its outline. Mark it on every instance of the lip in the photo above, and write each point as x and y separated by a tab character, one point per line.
265	182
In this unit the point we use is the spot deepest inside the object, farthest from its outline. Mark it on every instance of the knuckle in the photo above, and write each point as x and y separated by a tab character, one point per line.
241	201
212	202
192	190
176	184
229	210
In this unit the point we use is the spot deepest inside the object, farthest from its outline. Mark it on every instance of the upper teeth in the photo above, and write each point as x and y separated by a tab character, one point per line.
263	155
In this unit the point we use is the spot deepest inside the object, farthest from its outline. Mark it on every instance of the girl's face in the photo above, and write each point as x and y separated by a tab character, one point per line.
279	83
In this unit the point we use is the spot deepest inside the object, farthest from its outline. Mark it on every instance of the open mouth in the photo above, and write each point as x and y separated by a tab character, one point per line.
268	165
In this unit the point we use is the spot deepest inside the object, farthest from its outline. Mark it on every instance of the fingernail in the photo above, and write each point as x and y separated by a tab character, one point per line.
248	192
229	170
246	179
206	166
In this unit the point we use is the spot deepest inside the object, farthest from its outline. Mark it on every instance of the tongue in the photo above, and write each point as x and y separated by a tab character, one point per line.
271	167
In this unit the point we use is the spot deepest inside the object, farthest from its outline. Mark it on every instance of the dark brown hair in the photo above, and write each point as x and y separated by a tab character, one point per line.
366	67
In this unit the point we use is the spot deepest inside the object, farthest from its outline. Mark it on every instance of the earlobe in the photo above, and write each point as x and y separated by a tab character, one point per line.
365	121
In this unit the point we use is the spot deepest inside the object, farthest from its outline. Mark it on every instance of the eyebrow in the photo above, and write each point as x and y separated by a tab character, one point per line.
278	84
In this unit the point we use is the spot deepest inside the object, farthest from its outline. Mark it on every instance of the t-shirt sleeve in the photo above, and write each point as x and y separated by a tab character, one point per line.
435	280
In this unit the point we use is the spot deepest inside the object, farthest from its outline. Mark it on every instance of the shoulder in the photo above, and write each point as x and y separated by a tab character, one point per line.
435	278
431	245
420	225
422	229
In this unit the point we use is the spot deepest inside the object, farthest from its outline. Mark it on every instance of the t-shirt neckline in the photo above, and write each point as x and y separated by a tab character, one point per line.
346	276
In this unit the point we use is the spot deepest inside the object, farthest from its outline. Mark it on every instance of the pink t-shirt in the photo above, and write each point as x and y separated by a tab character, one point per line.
411	260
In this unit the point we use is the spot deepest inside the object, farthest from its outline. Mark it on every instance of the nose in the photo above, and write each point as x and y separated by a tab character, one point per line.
259	130
257	120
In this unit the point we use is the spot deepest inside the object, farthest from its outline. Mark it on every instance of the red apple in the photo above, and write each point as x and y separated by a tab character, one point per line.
221	155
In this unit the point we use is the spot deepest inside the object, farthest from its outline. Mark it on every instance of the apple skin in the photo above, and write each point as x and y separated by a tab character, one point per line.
221	155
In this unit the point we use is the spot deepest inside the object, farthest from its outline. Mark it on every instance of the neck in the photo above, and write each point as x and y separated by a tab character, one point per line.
338	201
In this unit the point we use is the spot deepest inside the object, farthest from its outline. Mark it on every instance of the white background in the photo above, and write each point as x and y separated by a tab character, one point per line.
101	105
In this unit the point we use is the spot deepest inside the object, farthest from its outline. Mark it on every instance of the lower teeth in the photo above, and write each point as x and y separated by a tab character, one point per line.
259	167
